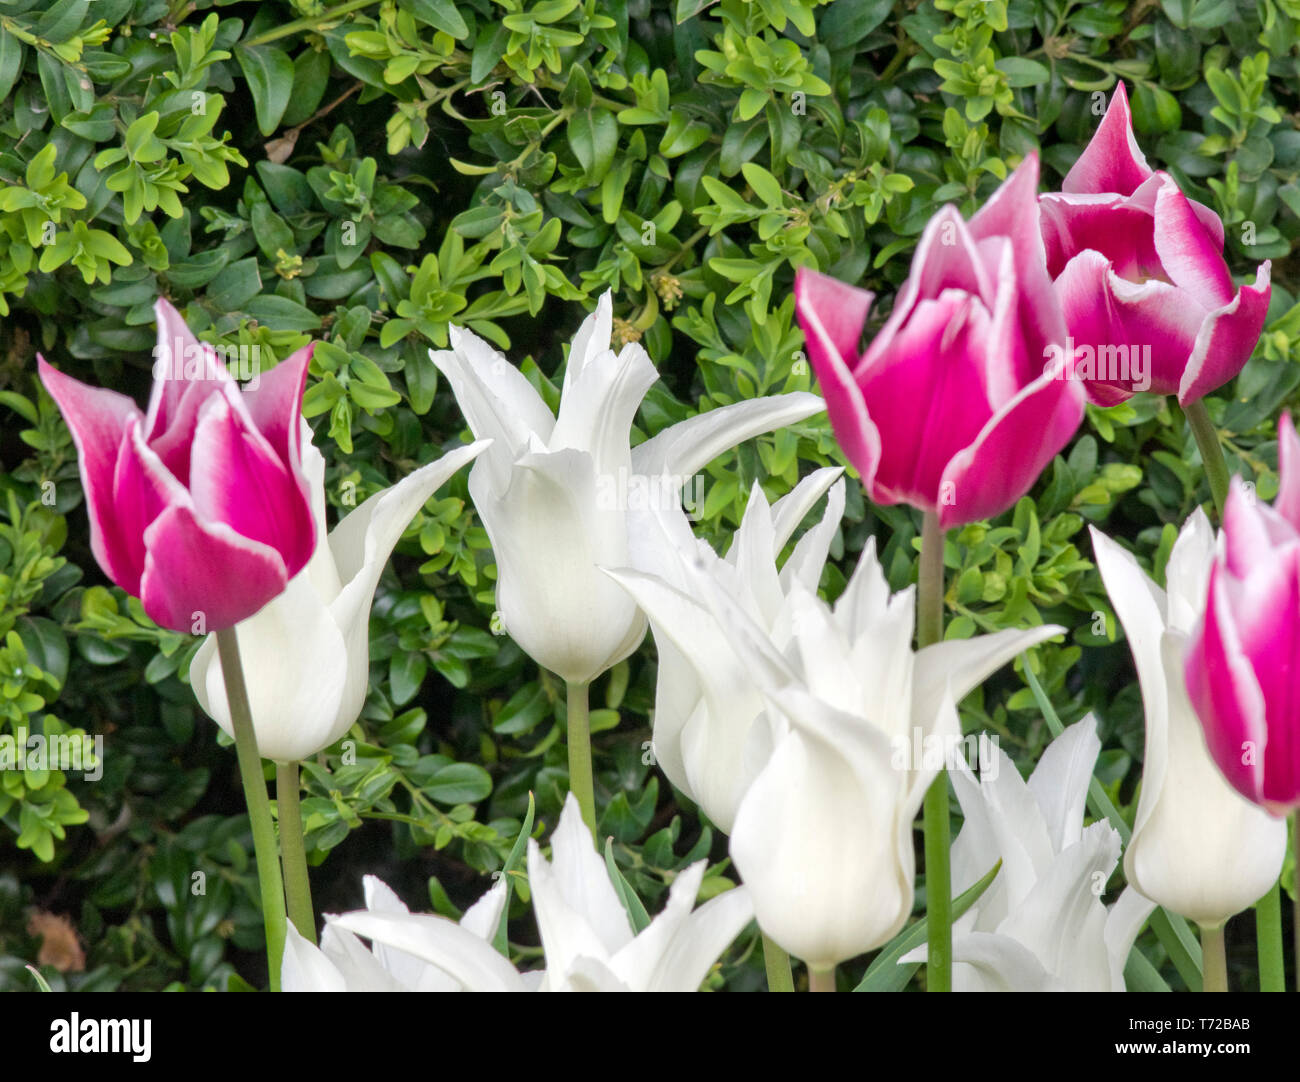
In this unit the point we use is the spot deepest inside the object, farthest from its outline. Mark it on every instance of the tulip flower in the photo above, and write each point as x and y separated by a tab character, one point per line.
557	495
342	964
855	729
1139	270
705	699
587	937
1198	848
199	507
1242	661
589	941
950	409
1041	925
306	655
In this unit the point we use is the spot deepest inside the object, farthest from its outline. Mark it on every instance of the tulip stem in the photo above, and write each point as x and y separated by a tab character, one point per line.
1268	941
1215	971
297	884
581	782
259	806
1207	439
938	837
821	980
777	963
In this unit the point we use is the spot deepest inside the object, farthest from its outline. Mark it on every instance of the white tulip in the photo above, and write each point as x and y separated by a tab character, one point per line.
823	834
343	964
588	938
586	934
560	496
705	699
1199	848
306	654
1041	925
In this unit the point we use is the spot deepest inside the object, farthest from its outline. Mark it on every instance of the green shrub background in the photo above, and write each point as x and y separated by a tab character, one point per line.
363	175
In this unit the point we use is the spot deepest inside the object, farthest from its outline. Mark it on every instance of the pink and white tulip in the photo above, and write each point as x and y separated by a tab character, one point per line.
949	409
1244	657
1138	265
199	507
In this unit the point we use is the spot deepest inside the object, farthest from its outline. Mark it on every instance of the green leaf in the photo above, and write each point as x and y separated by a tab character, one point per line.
459	783
513	861
593	136
636	911
270	74
439	13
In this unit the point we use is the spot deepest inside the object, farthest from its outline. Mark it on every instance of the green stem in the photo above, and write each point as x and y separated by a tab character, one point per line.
821	980
1215	971
1268	941
311	22
1207	439
777	963
259	807
581	782
297	884
938	873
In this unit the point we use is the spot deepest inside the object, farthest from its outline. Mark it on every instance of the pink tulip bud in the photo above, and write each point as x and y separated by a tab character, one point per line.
1243	665
199	507
1140	273
951	408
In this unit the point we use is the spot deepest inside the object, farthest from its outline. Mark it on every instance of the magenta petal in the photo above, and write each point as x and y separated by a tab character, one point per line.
1112	160
831	313
946	257
1014	447
927	397
1287	503
1227	338
275	405
194	568
186	372
1123	233
1152	327
1187	251
237	479
1266	613
142	489
1225	694
1252	531
98	420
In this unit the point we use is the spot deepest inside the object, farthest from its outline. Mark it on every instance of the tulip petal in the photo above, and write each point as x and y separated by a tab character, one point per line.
683	449
590	343
237	479
294	716
1060	781
1201	850
1112	160
1287	503
1012	449
832	314
1227	338
986	962
497	400
1187	250
551	532
582	881
1124	923
98	420
275	407
471	962
964	664
808	560
598	407
1223	690
196	568
305	967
